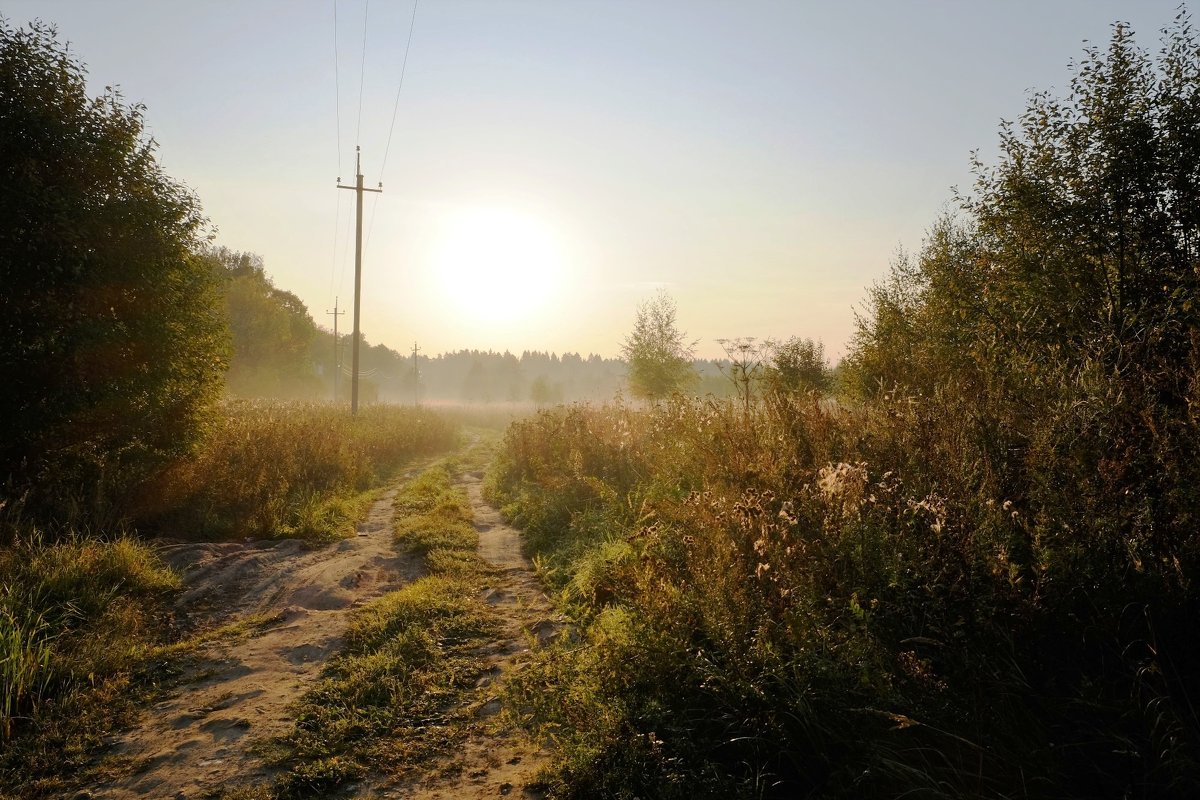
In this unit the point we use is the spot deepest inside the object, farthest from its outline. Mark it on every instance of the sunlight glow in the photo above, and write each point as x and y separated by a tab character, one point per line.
497	265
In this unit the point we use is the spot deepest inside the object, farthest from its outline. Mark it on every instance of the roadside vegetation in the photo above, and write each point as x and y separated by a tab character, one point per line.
965	566
836	602
273	470
122	329
974	574
79	621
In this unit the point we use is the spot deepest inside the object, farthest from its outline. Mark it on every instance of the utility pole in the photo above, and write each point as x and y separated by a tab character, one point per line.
337	362
416	377
358	191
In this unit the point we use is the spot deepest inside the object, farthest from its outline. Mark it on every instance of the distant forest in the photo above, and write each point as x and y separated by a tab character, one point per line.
279	351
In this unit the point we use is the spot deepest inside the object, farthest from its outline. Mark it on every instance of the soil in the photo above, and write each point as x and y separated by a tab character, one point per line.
200	740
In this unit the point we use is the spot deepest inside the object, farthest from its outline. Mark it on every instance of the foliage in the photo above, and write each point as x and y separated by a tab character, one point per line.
1063	311
111	338
83	628
976	576
796	366
542	393
658	354
272	331
837	602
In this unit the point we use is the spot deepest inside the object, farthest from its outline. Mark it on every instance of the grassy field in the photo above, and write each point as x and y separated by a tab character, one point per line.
295	470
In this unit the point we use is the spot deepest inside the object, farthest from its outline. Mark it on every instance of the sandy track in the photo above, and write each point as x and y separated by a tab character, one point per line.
496	759
198	741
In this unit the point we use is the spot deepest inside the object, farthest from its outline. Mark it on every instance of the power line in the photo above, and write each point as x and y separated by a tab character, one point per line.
337	361
333	262
362	71
396	105
337	90
416	376
337	107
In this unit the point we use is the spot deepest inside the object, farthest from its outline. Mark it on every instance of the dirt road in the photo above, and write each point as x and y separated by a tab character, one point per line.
199	741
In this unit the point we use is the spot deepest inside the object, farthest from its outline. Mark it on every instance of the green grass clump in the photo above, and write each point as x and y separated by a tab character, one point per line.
434	520
442	527
395	696
80	621
387	701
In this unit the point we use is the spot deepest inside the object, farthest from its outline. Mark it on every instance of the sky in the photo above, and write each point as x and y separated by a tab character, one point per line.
551	164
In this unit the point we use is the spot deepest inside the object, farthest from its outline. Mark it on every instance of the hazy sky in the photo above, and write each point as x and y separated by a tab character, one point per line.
761	160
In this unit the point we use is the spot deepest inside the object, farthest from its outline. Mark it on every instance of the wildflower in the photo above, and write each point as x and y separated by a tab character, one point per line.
843	486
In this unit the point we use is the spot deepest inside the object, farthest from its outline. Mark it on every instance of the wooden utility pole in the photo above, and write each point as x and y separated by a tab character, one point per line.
358	191
337	361
416	377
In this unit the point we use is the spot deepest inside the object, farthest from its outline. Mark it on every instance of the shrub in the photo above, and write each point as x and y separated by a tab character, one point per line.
111	335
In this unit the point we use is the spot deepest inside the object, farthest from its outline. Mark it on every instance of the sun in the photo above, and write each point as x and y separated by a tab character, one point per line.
497	265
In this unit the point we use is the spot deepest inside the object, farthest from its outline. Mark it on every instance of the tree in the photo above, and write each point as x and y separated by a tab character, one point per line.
540	392
272	331
797	365
112	341
658	355
475	384
1062	307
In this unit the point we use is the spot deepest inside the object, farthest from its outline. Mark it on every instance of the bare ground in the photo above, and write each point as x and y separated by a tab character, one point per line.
199	741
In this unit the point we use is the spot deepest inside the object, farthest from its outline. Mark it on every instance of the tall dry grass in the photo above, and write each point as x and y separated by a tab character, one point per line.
286	469
844	601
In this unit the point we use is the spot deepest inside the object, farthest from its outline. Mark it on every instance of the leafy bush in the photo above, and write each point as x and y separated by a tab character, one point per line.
111	337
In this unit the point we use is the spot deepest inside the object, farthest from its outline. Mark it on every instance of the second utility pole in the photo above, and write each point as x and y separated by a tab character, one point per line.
337	350
358	191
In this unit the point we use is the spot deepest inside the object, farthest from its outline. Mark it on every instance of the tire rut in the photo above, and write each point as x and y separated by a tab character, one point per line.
496	758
